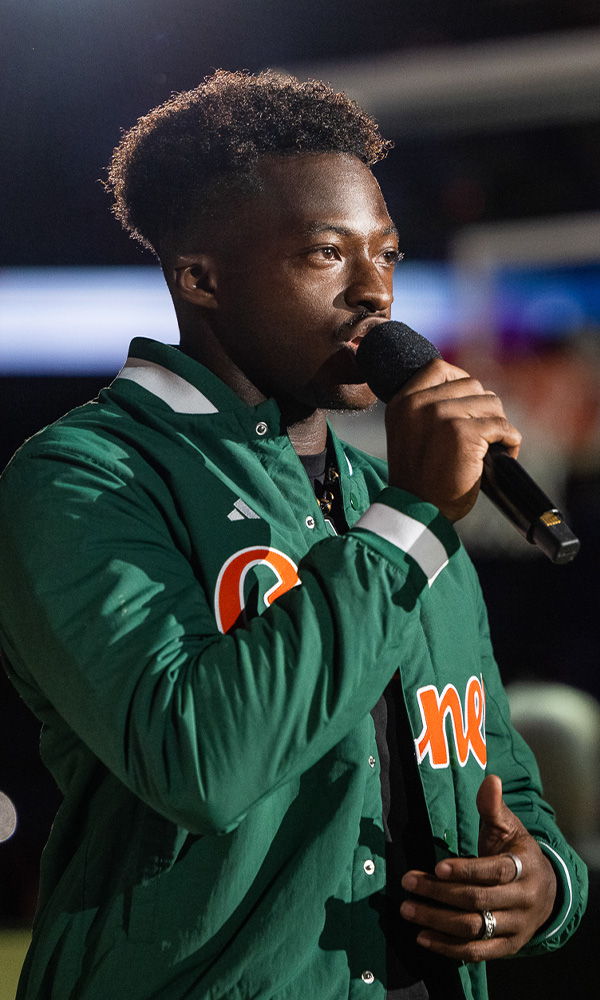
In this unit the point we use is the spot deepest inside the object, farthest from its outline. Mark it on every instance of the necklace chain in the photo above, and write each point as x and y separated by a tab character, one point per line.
329	491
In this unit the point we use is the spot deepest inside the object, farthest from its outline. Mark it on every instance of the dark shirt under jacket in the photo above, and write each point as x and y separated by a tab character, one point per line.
407	844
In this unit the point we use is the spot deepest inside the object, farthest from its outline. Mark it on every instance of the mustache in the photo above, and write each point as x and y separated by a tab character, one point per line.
346	329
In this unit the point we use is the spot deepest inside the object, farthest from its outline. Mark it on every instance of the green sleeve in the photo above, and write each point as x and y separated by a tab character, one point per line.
510	757
102	613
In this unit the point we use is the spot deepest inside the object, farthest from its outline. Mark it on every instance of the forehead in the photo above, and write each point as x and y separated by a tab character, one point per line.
307	191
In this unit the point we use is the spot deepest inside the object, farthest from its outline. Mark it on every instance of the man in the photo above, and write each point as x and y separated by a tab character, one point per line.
229	623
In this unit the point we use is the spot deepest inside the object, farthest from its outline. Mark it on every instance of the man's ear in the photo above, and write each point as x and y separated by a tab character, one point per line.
195	280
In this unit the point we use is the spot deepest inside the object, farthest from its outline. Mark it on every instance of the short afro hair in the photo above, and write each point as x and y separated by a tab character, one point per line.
182	160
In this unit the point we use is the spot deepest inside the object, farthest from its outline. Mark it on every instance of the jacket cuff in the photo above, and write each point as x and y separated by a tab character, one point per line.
565	898
402	522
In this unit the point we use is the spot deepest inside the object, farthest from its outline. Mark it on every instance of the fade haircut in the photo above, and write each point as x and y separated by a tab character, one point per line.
184	161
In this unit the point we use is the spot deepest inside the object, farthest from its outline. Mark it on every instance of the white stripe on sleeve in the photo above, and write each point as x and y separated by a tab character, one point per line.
409	535
546	847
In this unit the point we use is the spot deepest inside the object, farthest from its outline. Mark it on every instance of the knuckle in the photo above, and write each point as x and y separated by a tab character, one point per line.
506	946
517	939
508	871
478	898
438	364
473	952
446	371
529	895
512	945
467	873
456	428
405	407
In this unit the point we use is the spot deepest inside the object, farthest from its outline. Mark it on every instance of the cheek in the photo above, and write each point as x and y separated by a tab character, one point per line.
279	324
296	328
293	291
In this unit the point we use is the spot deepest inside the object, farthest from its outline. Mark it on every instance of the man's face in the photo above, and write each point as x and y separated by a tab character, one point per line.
306	271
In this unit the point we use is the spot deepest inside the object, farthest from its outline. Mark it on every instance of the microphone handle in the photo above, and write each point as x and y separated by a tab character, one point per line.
520	499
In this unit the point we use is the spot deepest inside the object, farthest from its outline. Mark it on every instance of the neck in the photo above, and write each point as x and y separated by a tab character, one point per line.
309	435
307	430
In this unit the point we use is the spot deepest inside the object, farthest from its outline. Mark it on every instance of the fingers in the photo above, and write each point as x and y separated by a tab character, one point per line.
489	798
473	950
443	415
496	869
472	896
451	913
469	951
476	422
499	827
465	926
439	381
452	403
448	904
458	935
439	427
435	373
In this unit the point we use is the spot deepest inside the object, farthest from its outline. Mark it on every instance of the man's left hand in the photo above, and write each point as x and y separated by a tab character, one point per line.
452	901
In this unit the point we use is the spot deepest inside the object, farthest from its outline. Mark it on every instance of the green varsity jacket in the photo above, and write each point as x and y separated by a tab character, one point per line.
203	655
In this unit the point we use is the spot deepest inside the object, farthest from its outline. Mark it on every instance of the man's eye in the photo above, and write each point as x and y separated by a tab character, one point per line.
329	253
392	256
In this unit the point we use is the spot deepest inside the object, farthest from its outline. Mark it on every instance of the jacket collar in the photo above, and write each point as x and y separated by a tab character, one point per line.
184	384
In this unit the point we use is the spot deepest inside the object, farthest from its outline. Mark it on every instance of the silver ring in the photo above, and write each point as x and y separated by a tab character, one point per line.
489	925
518	866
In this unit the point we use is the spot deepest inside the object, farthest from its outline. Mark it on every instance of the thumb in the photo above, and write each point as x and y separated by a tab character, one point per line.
498	826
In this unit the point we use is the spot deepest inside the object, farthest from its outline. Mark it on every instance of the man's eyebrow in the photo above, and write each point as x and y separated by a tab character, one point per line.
317	228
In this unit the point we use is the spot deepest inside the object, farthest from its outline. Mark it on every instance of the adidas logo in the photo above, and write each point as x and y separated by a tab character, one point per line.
240	511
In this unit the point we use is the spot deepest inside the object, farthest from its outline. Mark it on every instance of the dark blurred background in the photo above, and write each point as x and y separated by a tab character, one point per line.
494	108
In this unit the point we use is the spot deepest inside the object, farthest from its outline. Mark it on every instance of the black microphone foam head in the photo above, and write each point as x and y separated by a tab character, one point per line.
390	354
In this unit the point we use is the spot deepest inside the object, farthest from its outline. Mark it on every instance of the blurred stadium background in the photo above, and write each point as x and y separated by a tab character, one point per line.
494	106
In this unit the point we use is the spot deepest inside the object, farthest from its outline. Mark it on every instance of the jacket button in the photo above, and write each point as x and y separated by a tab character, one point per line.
261	428
451	838
310	521
368	977
369	867
372	761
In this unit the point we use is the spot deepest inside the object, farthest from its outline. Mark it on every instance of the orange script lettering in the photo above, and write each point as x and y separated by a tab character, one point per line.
468	731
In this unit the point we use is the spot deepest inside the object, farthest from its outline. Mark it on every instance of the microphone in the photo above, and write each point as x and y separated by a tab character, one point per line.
387	357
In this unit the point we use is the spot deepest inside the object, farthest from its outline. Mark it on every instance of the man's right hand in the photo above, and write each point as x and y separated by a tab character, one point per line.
439	427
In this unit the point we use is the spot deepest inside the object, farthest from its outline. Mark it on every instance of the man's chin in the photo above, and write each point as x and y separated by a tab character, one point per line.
351	397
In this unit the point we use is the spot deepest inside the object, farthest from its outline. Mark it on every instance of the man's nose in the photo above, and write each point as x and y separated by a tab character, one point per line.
370	287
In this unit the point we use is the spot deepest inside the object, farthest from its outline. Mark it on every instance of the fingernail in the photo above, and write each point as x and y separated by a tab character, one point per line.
409	882
408	909
424	940
443	870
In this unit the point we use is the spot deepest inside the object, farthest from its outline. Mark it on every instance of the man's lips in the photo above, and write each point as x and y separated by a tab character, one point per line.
347	370
358	330
354	344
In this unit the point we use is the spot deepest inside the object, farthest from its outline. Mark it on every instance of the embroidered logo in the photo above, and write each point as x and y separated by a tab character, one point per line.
229	592
468	730
241	510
